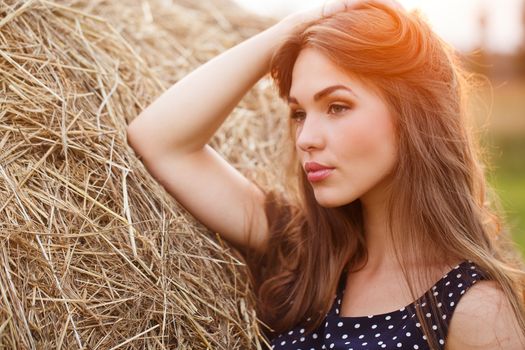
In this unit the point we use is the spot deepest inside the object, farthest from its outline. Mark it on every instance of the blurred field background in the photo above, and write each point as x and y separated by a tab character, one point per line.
491	36
503	132
505	141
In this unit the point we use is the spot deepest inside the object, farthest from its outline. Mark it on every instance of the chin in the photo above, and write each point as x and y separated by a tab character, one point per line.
332	201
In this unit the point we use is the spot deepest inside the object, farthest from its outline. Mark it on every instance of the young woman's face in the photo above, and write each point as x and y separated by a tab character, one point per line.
341	124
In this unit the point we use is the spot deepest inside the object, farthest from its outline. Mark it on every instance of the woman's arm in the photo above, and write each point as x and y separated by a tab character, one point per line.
171	137
185	117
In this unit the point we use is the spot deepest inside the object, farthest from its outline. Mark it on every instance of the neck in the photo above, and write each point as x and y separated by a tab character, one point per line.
381	257
379	246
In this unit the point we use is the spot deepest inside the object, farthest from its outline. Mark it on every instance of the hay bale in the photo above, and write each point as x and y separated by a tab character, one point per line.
94	253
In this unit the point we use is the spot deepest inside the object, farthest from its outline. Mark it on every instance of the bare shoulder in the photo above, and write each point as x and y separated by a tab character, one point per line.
484	319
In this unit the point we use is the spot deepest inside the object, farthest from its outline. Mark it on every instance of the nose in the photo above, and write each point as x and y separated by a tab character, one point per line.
310	134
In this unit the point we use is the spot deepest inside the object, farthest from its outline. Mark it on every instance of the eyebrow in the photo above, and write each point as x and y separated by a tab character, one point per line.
326	91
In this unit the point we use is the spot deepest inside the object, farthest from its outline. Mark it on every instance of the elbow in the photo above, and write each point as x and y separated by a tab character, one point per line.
143	138
136	137
130	135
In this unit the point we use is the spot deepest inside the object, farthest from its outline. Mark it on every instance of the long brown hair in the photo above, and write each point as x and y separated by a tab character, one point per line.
439	186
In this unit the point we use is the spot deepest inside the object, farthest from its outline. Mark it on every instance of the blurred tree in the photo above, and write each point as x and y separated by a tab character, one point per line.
478	59
520	55
483	27
523	25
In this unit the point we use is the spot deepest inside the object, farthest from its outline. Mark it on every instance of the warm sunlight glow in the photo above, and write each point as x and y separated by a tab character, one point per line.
458	21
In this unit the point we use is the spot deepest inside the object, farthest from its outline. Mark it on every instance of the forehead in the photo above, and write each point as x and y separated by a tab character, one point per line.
314	71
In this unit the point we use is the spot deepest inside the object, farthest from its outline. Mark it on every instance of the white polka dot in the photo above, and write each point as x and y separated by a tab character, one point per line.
290	332
440	304
434	327
450	294
327	335
314	335
380	342
374	326
357	325
452	304
340	324
418	324
408	334
460	285
425	337
390	327
301	331
441	341
344	336
394	338
399	345
301	339
283	342
361	336
388	318
416	347
377	335
383	346
435	293
458	275
332	346
444	316
365	343
428	314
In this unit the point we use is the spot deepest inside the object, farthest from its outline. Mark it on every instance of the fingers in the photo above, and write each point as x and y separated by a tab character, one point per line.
331	7
391	3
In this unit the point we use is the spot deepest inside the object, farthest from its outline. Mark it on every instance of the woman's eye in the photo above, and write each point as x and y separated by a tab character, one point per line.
297	115
337	108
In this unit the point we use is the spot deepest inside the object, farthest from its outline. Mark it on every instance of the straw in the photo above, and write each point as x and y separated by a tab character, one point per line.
95	254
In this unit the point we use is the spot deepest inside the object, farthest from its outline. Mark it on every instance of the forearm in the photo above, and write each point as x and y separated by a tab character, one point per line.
185	117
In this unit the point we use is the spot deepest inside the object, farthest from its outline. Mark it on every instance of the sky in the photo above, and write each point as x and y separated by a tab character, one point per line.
457	21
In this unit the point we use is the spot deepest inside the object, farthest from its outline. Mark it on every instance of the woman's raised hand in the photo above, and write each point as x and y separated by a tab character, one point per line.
331	7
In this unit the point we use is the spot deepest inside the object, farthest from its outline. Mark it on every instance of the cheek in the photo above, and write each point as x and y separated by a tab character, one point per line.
367	139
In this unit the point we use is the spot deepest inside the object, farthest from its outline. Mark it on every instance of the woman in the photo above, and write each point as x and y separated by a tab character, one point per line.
392	212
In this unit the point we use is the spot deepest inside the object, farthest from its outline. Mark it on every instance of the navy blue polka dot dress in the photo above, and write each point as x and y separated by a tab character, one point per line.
398	329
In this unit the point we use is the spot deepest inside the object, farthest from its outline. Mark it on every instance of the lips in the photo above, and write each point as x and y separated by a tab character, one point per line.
317	172
313	166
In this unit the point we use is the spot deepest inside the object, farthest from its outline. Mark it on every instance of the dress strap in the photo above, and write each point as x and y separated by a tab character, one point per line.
446	294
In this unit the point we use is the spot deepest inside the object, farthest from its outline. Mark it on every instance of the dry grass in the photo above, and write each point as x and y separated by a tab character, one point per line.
94	253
